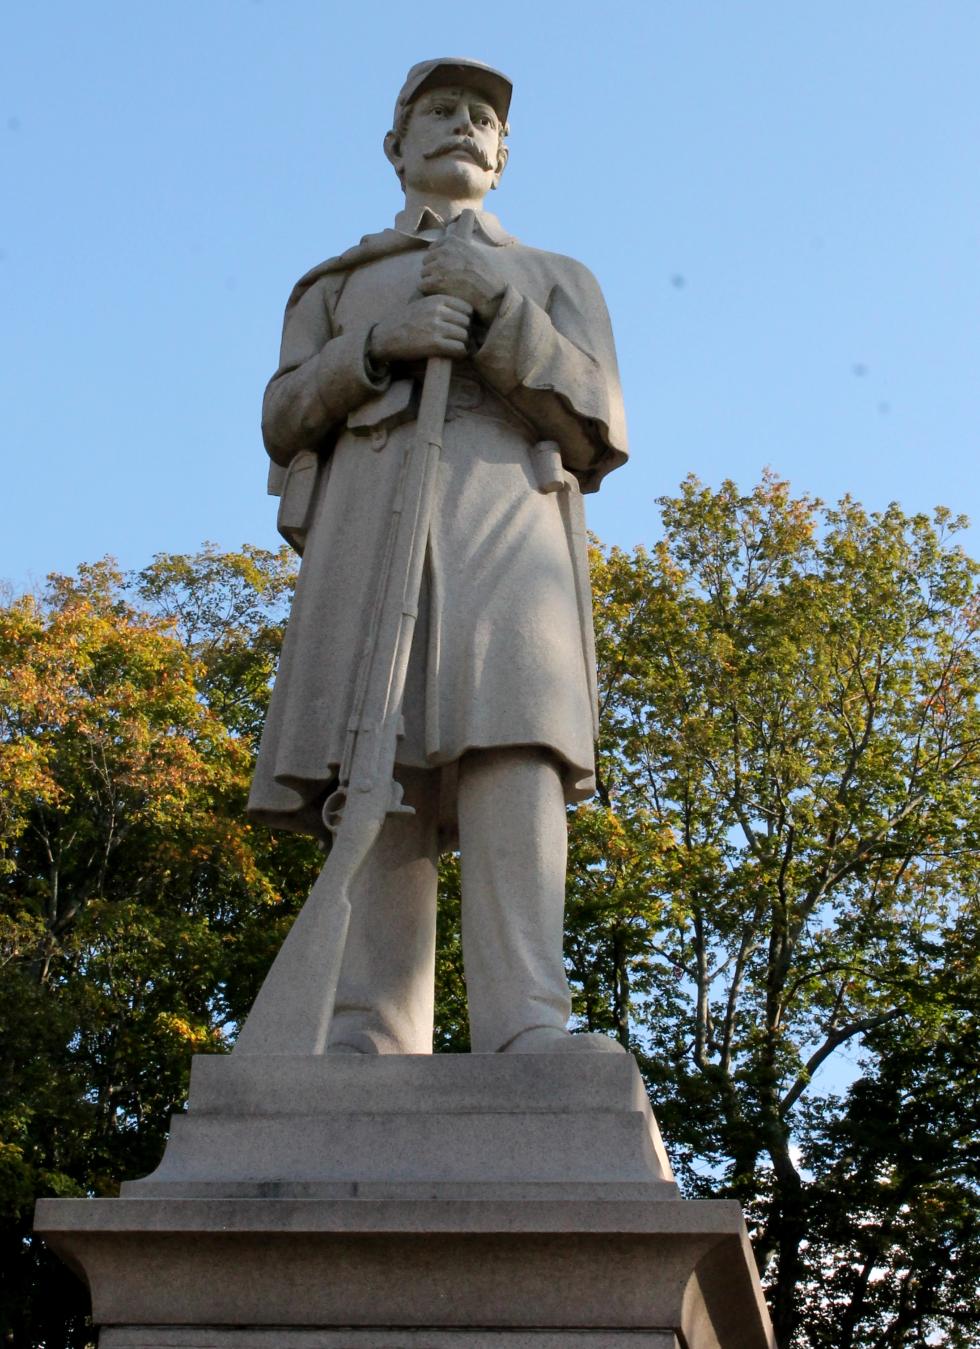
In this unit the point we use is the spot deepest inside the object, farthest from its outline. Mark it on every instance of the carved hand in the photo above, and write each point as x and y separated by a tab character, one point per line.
457	267
436	325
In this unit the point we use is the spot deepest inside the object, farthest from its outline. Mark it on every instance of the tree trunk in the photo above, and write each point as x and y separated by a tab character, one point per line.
621	988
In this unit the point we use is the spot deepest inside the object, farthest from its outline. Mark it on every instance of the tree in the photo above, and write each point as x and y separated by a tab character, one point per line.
780	864
139	909
900	1261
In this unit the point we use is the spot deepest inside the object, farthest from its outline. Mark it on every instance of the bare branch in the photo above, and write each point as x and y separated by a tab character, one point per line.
833	1041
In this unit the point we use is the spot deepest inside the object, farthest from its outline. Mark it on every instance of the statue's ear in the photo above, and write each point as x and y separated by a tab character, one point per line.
393	152
502	155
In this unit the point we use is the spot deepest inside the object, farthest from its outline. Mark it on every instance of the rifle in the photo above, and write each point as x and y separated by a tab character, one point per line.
292	1012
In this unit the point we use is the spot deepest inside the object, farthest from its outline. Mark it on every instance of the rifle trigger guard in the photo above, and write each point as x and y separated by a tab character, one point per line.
333	809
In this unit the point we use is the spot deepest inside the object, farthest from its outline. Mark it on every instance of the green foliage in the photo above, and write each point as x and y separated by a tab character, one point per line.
228	609
452	1024
900	1259
781	868
139	909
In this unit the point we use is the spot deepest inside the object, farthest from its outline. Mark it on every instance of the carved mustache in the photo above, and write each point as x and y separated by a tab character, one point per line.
475	151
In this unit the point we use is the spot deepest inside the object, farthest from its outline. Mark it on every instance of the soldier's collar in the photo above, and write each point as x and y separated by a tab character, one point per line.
389	242
426	220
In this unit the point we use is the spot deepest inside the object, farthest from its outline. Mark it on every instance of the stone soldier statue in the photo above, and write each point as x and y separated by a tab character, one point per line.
499	706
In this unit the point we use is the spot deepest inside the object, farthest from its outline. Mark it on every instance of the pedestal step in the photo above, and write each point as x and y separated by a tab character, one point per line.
422	1120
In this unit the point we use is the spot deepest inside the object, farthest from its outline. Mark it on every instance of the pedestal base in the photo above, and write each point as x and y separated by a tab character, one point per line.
147	1337
470	1201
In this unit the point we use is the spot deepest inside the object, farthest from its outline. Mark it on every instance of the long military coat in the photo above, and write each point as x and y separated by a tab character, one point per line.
503	651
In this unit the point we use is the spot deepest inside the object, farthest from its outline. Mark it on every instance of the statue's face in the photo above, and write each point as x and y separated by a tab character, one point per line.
451	145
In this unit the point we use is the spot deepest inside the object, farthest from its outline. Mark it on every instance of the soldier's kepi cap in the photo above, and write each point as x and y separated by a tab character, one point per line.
454	70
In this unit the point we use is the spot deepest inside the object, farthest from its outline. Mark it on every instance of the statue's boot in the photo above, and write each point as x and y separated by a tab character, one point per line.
550	1040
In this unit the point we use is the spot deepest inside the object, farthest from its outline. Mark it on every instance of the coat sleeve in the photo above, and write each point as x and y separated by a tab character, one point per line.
322	376
555	363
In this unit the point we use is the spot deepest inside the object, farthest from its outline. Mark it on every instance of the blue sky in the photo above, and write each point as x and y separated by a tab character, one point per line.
780	200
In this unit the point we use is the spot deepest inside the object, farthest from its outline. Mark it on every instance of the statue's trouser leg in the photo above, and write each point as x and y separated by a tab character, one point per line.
385	995
513	840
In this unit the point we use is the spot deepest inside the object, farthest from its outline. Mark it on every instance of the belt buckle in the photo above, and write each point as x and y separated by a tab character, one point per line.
465	394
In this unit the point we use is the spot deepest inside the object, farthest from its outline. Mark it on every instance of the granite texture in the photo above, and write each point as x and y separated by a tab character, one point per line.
481	1197
150	1337
551	1265
421	1124
444	397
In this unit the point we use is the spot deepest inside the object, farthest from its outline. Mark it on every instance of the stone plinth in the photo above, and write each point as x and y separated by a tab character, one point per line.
307	1203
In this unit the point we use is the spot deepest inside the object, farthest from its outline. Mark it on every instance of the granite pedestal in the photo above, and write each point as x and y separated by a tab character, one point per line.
446	1200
